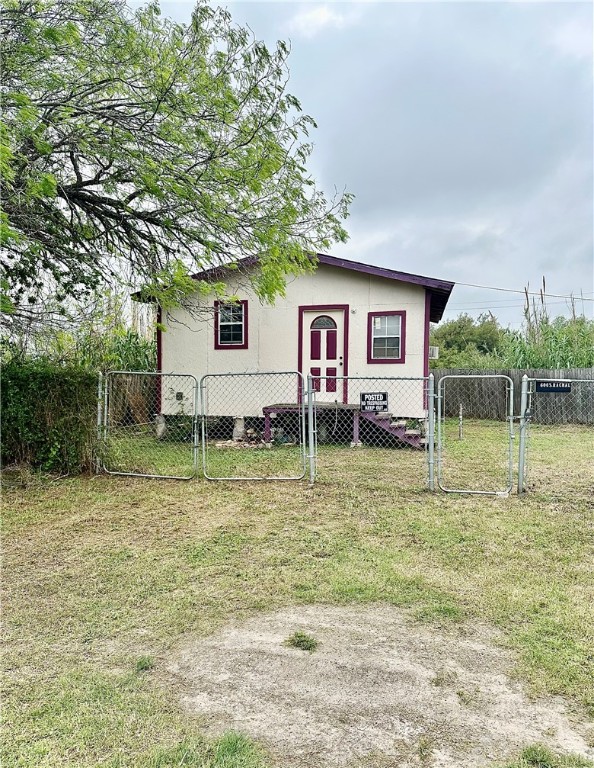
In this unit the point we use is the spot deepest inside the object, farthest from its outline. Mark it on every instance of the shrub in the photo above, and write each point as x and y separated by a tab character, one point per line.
49	415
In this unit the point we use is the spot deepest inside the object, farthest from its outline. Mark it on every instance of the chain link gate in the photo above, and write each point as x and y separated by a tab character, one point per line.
384	423
557	436
149	424
253	426
475	434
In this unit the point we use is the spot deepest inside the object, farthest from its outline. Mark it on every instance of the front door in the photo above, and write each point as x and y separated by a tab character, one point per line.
323	337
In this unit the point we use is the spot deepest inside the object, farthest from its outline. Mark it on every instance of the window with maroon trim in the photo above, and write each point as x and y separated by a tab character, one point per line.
386	335
231	325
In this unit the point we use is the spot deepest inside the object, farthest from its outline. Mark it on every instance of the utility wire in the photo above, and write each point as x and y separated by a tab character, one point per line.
577	297
498	306
514	301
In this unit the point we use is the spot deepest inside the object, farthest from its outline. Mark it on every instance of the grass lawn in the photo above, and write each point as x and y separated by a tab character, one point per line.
104	575
139	452
480	460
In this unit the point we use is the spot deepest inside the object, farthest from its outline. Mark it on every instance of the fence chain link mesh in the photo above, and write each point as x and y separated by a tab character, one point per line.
382	421
560	436
253	426
261	426
475	434
150	425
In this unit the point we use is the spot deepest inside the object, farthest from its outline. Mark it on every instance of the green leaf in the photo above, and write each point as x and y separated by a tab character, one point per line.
142	146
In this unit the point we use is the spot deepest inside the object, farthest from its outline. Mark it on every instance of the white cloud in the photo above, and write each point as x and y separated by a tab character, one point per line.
573	39
311	21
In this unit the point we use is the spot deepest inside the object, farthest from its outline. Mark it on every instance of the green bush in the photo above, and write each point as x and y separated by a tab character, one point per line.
559	343
481	343
49	415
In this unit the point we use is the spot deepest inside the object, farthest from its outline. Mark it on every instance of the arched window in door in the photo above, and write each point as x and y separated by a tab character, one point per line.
323	326
323	321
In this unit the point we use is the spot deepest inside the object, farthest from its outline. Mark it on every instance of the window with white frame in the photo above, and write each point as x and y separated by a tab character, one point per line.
231	325
386	337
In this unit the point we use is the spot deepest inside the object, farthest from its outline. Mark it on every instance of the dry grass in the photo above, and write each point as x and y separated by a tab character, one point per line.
103	575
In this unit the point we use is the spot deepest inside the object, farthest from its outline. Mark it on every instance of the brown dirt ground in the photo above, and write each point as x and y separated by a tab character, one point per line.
380	690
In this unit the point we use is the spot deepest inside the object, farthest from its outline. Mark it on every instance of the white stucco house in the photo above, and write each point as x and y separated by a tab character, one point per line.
345	319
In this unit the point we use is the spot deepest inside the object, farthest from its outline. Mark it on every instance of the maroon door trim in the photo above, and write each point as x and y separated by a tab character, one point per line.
427	333
426	346
345	352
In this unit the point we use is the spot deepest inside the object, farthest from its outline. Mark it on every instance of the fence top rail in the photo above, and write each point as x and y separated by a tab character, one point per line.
476	376
151	373
581	371
373	378
250	373
565	381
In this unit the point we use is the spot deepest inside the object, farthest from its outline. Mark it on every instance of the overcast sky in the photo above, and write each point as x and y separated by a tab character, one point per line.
464	130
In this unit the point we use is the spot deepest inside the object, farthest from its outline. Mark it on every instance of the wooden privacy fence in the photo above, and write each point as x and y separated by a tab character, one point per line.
132	401
486	398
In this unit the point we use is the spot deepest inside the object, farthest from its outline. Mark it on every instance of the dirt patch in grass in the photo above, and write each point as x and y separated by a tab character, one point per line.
380	686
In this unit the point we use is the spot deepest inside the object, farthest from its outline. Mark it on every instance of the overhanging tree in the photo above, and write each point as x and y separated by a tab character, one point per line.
135	146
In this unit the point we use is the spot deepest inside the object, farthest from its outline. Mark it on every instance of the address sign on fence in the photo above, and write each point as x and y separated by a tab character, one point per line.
556	387
374	401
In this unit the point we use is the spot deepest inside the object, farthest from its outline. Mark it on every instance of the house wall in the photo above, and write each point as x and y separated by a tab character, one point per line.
187	346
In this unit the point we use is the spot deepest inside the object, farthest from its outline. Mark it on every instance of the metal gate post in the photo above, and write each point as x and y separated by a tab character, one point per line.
99	422
105	420
303	416
195	422
431	431
311	431
510	392
201	387
439	430
523	424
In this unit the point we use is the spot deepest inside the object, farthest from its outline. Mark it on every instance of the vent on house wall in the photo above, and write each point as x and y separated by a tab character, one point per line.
433	353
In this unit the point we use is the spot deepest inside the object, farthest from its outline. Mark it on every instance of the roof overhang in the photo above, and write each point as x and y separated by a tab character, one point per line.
439	290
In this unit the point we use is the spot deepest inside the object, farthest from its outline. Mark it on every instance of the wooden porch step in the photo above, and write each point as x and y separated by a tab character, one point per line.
397	428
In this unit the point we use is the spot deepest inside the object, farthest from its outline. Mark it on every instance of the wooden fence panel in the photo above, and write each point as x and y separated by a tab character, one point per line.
486	398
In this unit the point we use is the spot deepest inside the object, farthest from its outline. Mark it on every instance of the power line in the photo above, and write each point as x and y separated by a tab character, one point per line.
498	306
512	302
575	297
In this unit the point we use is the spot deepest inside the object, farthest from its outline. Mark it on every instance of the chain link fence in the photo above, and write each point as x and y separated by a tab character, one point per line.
384	424
372	431
253	426
557	436
149	425
475	434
